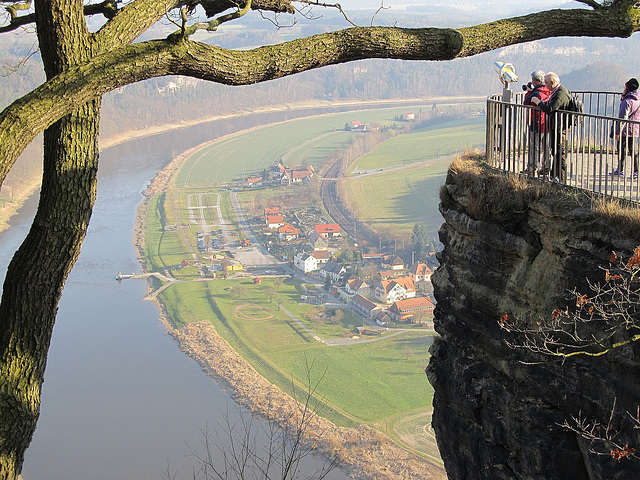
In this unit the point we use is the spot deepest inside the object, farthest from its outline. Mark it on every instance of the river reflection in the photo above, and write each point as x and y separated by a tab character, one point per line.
119	399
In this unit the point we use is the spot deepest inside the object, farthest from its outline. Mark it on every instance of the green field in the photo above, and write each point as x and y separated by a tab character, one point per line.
392	202
309	140
389	373
428	143
381	383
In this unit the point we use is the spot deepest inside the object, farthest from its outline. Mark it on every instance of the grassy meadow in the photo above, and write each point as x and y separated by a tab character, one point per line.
392	201
389	372
430	142
307	140
381	383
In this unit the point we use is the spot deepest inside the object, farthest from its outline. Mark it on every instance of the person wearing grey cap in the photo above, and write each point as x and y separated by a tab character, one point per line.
626	132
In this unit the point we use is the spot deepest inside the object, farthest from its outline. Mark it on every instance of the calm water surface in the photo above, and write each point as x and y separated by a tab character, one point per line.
120	401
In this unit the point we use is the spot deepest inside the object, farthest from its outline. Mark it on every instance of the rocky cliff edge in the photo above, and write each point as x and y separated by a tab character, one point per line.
518	248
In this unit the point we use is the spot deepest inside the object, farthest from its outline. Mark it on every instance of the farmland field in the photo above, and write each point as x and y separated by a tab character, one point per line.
426	143
309	140
386	371
392	201
380	383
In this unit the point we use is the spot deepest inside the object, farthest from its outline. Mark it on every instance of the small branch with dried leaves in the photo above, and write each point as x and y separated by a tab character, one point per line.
607	319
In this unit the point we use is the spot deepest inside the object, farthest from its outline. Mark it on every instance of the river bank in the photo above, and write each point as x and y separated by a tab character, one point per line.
25	190
364	451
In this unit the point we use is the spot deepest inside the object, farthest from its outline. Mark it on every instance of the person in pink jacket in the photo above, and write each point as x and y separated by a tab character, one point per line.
626	132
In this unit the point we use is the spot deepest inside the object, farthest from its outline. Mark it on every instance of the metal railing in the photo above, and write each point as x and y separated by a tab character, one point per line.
588	151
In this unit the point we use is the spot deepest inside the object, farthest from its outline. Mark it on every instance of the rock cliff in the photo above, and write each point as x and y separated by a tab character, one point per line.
516	248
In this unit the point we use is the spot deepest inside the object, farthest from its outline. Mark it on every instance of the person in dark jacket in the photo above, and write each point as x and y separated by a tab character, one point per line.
559	99
538	126
626	132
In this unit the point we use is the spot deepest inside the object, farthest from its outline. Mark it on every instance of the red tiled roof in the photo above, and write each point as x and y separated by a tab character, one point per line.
413	304
405	282
321	254
272	210
328	228
275	218
287	228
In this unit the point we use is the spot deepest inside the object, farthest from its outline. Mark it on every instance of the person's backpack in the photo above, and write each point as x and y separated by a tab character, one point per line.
576	105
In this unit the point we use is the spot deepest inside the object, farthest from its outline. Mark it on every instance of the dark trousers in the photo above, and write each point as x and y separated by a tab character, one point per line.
558	143
625	145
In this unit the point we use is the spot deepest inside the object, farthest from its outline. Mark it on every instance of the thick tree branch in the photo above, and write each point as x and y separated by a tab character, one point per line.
21	121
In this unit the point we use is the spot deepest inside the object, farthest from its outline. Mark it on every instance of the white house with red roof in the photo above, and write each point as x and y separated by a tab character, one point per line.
253	182
421	272
288	232
389	291
406	310
274	221
322	256
328	230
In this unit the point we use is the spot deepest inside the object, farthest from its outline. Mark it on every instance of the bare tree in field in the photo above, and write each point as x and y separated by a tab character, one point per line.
81	66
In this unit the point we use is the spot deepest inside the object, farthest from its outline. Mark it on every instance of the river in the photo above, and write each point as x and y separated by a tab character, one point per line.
120	401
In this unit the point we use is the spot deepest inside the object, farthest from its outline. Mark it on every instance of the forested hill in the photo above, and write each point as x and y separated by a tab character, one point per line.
173	99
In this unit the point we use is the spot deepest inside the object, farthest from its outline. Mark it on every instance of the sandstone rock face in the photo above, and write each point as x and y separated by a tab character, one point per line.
494	416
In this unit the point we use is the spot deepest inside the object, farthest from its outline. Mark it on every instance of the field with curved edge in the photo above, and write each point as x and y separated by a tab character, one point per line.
433	141
388	373
380	383
307	140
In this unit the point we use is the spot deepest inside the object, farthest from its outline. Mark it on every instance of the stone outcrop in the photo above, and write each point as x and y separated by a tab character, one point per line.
516	248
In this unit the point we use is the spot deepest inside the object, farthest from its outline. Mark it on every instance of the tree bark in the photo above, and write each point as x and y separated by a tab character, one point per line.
39	269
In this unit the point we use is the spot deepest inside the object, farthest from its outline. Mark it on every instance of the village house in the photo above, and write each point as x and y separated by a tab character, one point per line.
389	291
322	256
355	126
390	274
328	230
271	211
411	309
421	272
333	270
318	242
357	286
364	306
306	262
274	221
254	182
288	232
383	318
354	286
408	116
393	262
290	176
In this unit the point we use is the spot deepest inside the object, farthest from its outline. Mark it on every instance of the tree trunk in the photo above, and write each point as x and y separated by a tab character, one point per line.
40	267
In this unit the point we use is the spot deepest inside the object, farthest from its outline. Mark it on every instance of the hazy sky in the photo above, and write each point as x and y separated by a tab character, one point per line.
498	8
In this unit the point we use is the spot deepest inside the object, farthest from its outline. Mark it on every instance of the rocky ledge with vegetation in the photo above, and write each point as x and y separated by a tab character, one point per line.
509	402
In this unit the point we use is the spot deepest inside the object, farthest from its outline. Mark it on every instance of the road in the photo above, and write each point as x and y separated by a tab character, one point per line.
256	255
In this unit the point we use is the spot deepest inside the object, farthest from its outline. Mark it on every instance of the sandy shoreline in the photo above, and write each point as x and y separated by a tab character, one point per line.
366	452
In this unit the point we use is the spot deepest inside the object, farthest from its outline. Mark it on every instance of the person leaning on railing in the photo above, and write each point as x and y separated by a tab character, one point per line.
626	132
538	125
559	100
